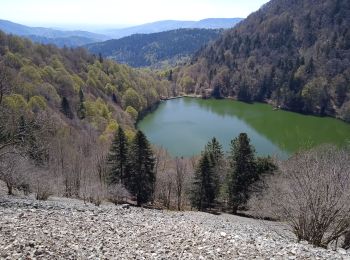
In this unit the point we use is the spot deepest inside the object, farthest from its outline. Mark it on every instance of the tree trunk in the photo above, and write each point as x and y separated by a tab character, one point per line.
9	189
179	203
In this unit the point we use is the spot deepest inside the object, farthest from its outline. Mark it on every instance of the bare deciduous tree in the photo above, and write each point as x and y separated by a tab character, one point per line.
12	171
181	168
312	193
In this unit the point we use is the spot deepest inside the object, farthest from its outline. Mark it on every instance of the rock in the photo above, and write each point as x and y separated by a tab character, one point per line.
125	206
342	251
69	229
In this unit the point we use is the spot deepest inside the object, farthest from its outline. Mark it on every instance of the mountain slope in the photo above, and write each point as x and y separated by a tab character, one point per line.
71	41
294	53
47	35
141	50
167	25
43	78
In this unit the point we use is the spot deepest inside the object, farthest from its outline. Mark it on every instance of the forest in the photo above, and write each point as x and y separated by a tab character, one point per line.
293	54
60	109
161	49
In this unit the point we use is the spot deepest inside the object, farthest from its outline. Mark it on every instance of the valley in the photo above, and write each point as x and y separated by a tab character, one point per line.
199	138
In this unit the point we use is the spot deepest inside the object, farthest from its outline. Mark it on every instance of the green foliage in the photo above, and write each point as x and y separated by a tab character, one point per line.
243	171
97	108
155	49
30	73
141	178
48	91
315	96
13	60
132	112
110	89
187	84
65	108
131	98
15	103
279	54
37	103
117	159
214	150
206	184
204	189
81	111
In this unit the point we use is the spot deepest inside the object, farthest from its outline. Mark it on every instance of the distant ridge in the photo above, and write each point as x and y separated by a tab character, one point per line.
74	38
48	35
155	49
167	25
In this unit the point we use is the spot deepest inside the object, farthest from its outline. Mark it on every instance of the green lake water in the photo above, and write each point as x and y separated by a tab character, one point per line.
183	127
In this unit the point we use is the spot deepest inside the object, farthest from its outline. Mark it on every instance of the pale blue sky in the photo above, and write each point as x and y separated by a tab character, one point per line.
117	12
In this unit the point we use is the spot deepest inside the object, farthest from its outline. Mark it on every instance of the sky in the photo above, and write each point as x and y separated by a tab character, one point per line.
121	12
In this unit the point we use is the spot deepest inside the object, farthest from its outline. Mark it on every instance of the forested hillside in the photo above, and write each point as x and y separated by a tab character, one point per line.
59	109
168	25
294	53
155	49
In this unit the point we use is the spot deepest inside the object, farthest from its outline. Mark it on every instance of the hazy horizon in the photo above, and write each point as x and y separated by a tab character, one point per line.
83	14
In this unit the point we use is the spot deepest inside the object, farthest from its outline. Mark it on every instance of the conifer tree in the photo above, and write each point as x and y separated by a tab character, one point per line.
65	108
81	108
141	180
204	190
243	171
117	159
214	150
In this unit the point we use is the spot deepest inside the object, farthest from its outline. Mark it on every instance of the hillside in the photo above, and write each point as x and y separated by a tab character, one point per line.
74	89
71	41
155	49
295	54
168	25
52	36
73	229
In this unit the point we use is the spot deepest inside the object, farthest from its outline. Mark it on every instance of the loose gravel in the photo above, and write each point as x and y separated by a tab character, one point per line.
69	229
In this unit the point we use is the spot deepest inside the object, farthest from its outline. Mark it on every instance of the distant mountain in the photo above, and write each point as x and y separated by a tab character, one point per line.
71	41
47	35
167	25
156	49
293	53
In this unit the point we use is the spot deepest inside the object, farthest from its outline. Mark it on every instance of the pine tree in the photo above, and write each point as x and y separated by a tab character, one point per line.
117	159
141	180
204	190
170	76
214	150
65	108
243	171
100	58
81	109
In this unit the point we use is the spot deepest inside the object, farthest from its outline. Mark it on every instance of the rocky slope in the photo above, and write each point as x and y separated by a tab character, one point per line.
70	229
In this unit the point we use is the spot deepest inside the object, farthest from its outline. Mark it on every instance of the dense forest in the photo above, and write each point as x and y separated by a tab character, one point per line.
295	54
59	110
156	49
169	25
51	75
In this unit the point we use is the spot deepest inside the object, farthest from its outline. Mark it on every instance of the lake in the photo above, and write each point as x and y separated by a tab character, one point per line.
183	126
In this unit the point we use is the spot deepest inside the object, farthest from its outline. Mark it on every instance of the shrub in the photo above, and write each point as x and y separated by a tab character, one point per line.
312	194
